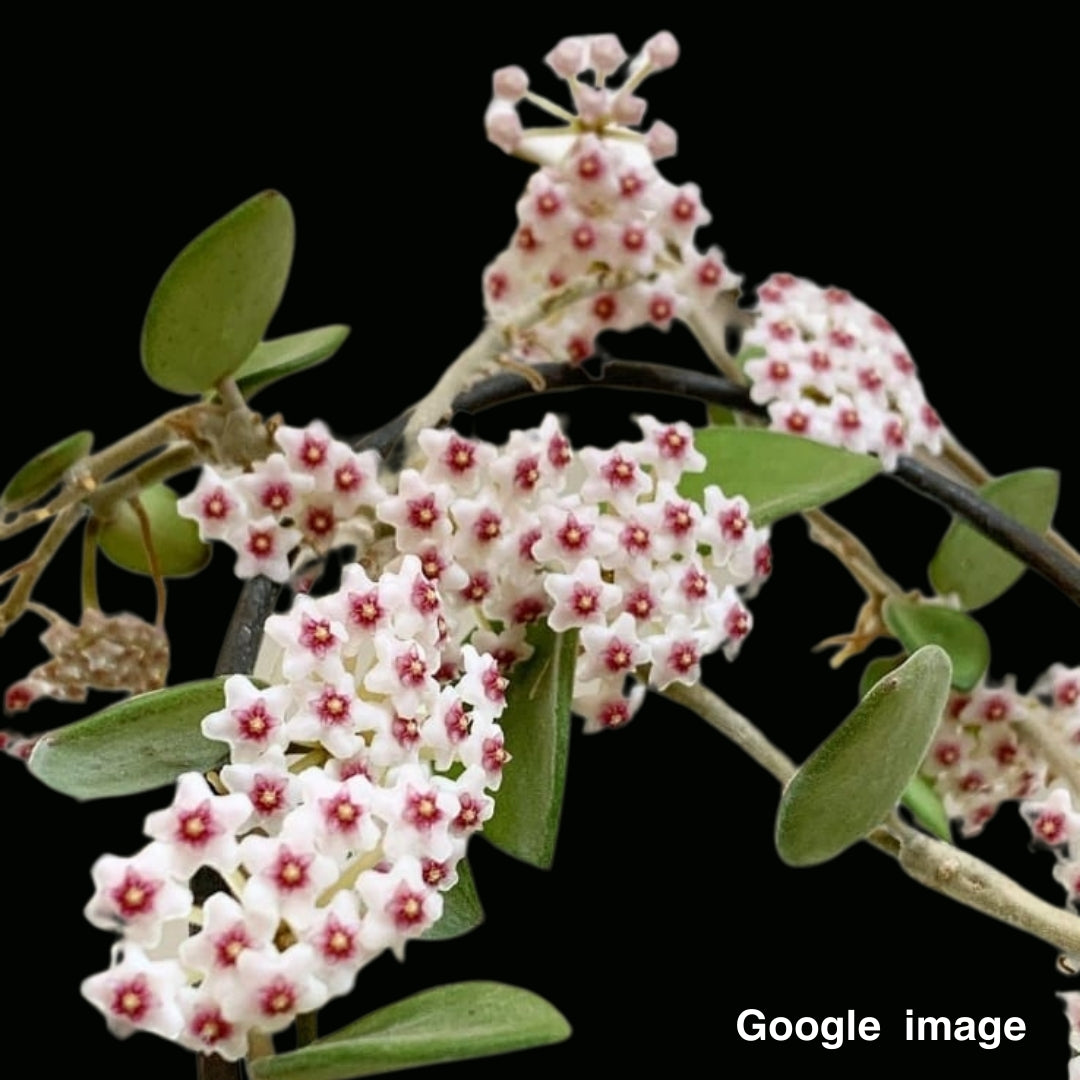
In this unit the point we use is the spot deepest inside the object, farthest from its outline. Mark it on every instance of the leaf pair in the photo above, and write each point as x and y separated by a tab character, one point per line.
209	312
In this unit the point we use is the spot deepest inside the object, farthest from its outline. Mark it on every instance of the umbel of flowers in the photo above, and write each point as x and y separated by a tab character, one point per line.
597	207
978	761
354	782
831	368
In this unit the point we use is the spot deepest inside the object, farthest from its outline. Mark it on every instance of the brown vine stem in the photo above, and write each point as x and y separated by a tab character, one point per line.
31	570
146	532
89	566
90	472
170	462
931	862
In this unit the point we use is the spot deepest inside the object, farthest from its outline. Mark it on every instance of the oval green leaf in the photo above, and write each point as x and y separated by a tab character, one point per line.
45	470
919	796
279	357
176	540
915	623
536	724
138	744
449	1023
853	780
462	911
215	301
778	474
974	567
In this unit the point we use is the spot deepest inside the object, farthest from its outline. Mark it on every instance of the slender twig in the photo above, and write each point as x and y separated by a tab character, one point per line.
852	552
32	569
89	565
170	462
146	534
729	722
90	472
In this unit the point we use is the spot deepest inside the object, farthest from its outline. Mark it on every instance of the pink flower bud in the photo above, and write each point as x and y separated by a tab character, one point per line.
502	125
662	50
628	109
568	58
605	53
510	83
661	141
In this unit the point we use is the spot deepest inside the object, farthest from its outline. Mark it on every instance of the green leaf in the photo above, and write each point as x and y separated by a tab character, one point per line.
45	470
876	670
536	723
449	1023
215	301
973	566
778	474
176	540
851	782
461	909
921	798
279	357
916	623
138	744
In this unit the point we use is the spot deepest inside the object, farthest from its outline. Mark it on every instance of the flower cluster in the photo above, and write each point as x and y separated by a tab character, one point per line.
354	782
597	213
978	760
831	368
597	541
300	495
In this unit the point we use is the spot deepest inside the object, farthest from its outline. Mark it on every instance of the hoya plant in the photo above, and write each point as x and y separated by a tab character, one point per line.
590	623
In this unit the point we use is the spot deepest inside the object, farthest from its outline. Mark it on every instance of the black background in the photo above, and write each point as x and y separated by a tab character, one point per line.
927	178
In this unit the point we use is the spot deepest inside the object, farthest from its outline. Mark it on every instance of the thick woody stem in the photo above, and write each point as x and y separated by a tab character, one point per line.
969	880
960	460
1037	552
